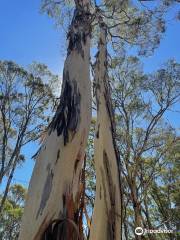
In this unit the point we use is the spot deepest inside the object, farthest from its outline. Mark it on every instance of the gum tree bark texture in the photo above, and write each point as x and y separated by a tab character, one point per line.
53	193
106	222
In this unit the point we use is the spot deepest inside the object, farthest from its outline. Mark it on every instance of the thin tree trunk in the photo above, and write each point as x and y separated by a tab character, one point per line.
53	193
8	185
106	222
146	212
138	220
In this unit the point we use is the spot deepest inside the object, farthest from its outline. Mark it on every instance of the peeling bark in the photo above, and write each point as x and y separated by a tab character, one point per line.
67	116
111	192
52	204
106	222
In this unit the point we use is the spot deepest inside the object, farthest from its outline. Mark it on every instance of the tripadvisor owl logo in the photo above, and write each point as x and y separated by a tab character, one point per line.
139	231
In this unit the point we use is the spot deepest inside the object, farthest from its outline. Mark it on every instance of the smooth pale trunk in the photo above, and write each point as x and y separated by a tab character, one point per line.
54	187
106	223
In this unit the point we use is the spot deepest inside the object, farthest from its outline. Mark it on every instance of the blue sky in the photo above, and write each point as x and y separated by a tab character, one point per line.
26	36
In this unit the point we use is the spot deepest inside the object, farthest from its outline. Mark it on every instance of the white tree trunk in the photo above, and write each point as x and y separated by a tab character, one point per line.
106	222
54	187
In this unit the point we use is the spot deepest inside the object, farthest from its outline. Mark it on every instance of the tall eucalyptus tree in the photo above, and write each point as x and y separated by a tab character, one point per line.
54	196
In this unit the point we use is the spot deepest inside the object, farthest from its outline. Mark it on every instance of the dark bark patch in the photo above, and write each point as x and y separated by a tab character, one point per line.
79	31
104	187
46	192
110	211
97	133
76	164
64	200
67	116
58	155
111	191
75	42
78	159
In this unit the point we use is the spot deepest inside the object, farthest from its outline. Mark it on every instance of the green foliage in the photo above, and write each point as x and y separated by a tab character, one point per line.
166	188
61	11
10	218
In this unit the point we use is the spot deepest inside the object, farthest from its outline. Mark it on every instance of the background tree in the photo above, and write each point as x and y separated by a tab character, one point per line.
26	98
163	199
143	136
10	217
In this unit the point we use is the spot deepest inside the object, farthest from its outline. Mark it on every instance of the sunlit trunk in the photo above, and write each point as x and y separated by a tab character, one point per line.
54	187
106	223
